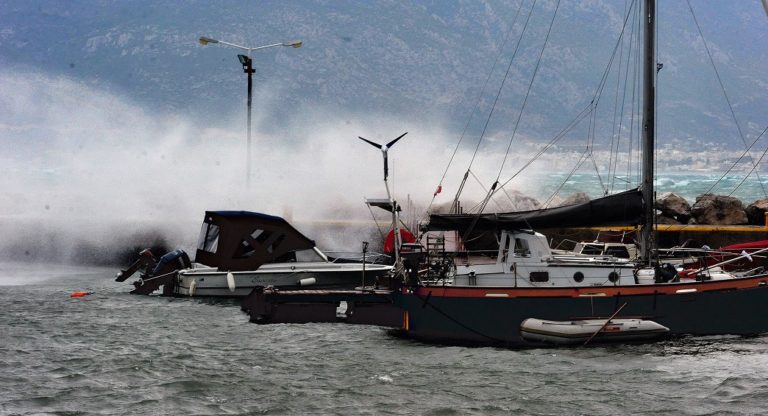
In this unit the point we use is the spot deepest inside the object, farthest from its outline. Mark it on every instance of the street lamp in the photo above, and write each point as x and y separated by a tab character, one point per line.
247	63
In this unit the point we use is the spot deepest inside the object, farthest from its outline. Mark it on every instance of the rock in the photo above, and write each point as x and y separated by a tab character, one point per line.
756	212
718	210
511	201
517	201
577	198
665	220
674	206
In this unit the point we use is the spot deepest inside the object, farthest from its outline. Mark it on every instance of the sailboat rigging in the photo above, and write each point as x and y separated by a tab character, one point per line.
494	295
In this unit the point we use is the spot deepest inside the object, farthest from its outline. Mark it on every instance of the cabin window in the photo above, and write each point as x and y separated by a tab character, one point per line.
244	250
274	246
521	248
619	252
209	238
256	233
261	236
307	255
539	276
592	250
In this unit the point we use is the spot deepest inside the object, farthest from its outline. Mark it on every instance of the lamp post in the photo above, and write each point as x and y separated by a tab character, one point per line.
247	63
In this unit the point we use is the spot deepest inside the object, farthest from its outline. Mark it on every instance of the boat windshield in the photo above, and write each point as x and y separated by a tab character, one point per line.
209	238
308	255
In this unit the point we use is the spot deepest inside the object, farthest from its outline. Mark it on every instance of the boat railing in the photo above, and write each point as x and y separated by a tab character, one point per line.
570	243
357	257
475	257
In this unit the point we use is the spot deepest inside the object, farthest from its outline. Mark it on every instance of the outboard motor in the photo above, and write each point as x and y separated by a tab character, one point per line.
156	273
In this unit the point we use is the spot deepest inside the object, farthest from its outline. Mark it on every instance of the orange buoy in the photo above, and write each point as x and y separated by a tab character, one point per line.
79	294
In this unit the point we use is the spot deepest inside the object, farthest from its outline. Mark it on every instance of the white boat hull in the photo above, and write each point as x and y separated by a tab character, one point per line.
314	275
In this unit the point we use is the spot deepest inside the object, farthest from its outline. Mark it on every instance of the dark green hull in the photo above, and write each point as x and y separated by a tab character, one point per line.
483	316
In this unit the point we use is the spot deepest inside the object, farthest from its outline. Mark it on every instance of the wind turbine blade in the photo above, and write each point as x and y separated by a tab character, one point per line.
390	144
374	144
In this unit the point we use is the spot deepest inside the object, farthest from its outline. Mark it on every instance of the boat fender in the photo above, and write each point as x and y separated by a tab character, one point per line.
192	287
231	282
308	281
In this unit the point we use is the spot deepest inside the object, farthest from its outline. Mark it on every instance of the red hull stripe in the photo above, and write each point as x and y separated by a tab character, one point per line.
587	291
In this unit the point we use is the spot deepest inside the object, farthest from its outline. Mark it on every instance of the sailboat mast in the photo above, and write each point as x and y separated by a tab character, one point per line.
649	107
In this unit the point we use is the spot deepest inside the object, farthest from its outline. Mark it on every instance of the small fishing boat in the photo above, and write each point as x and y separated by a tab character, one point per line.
596	330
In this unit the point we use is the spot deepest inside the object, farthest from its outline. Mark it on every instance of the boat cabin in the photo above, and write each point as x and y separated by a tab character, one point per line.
524	258
597	248
244	240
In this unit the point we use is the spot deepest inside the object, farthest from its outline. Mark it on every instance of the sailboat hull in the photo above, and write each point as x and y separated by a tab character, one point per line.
492	316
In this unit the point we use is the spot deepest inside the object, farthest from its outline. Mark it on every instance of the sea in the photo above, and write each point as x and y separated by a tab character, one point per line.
112	353
685	184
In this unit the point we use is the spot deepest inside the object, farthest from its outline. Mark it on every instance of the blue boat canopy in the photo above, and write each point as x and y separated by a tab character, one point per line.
244	240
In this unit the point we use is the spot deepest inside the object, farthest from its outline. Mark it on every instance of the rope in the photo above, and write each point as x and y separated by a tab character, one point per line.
613	162
753	167
530	87
498	93
578	165
477	103
736	163
588	110
727	100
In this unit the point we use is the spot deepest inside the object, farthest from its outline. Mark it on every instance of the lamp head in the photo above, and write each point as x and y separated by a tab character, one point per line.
204	40
293	44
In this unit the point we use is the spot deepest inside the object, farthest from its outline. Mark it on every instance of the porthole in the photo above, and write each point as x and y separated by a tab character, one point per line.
613	277
578	277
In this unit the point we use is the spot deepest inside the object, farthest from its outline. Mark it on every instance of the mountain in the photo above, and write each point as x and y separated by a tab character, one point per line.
423	60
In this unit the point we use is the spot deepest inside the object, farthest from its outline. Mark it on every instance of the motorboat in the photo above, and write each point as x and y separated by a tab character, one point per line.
238	251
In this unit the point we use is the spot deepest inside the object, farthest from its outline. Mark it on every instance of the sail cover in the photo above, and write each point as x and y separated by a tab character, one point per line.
625	208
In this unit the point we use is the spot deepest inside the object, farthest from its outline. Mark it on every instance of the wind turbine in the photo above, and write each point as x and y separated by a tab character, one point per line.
384	149
389	204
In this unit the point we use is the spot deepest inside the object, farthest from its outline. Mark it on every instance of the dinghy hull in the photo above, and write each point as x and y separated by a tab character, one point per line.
582	332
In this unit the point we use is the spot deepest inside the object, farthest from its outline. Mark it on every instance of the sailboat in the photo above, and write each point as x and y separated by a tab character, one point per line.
489	304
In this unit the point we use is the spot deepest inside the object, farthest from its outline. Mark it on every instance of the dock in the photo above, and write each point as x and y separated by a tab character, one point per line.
361	307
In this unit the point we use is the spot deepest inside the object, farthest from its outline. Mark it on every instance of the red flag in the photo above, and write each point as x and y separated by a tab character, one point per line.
439	189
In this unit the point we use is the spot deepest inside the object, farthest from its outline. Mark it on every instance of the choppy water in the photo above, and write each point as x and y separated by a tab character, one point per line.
687	185
114	353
